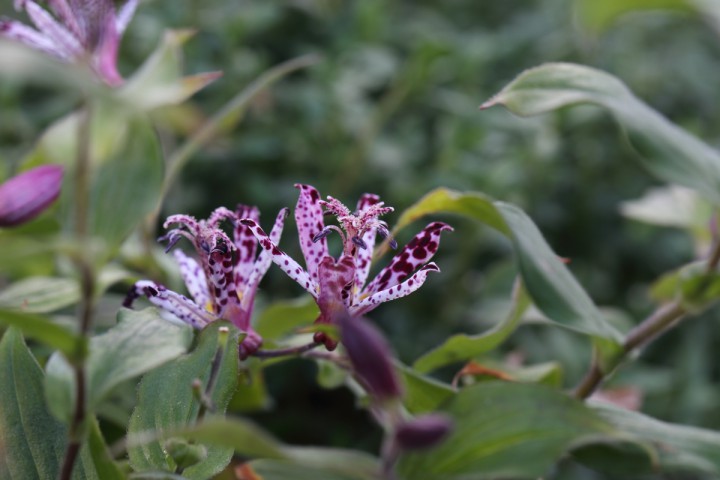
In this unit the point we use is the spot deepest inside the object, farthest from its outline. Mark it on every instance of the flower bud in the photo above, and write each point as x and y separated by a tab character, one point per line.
25	196
423	432
370	357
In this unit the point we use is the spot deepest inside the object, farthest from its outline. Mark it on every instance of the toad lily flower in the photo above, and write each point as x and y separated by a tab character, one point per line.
224	282
82	30
339	285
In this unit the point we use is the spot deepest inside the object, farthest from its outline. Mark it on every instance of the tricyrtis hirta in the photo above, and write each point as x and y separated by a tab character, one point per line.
338	284
224	281
80	31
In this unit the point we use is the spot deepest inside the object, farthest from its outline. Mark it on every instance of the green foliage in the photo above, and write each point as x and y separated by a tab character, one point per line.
668	151
140	342
380	97
499	423
174	381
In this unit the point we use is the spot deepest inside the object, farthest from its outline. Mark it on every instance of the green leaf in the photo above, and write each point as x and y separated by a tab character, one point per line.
680	448
314	463
692	285
174	381
423	394
160	81
547	280
243	437
283	318
464	347
140	342
127	187
33	442
441	200
45	331
506	430
105	466
667	151
40	294
598	16
671	206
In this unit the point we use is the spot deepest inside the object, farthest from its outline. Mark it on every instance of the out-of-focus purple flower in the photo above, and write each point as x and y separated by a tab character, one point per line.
370	357
339	284
80	31
224	281
25	196
423	432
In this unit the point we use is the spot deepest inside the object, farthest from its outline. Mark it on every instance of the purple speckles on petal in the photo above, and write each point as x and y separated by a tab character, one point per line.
178	305
283	260
420	250
309	219
398	291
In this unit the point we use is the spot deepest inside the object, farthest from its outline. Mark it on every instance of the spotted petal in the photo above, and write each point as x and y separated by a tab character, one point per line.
245	242
179	305
335	283
420	250
309	219
264	260
363	257
194	278
396	291
283	260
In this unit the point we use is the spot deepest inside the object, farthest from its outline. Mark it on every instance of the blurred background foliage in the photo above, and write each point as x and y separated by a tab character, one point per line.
392	108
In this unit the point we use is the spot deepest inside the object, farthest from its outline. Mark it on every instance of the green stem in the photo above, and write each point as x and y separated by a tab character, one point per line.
660	321
87	289
284	352
236	105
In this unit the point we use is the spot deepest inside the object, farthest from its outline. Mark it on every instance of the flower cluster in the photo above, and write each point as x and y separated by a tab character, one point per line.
224	281
338	285
81	31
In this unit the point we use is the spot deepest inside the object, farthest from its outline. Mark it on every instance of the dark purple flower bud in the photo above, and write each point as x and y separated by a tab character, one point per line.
423	432
370	356
27	195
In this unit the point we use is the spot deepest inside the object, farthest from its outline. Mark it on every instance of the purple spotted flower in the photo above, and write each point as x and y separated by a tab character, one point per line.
80	31
224	280
339	284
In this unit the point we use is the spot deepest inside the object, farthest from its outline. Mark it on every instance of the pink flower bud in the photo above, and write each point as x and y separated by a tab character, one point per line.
370	357
423	432
27	195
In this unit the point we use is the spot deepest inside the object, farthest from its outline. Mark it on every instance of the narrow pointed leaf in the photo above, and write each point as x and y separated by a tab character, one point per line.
667	151
680	448
547	280
160	81
462	347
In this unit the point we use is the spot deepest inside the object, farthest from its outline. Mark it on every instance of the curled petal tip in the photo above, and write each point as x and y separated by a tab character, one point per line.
432	267
359	242
285	212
